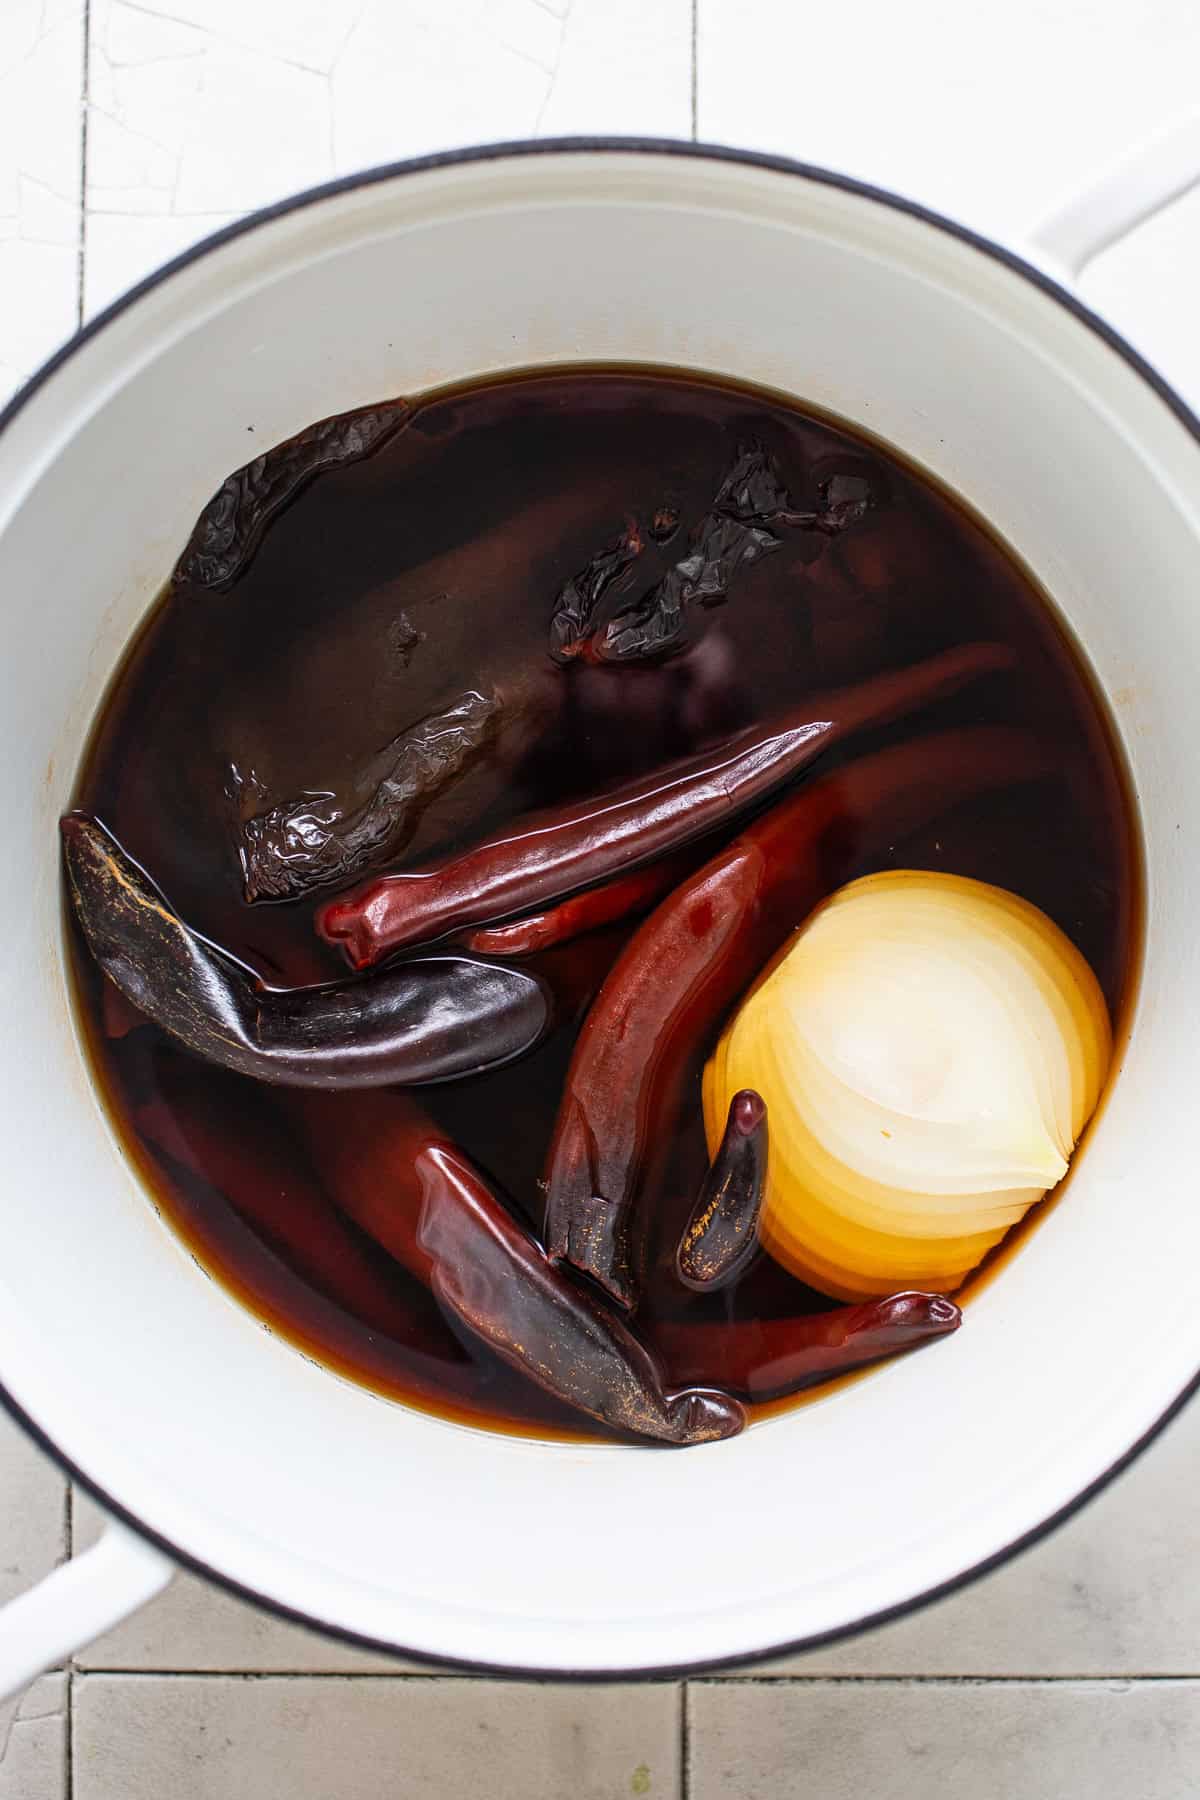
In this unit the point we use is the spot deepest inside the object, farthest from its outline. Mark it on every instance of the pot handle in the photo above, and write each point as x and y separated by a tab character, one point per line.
1138	184
81	1599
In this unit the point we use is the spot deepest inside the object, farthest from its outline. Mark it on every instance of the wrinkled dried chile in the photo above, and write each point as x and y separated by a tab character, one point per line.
386	589
734	536
235	520
426	1021
574	615
296	846
549	854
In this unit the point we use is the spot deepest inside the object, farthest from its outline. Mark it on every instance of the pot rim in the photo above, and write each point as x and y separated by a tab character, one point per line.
641	146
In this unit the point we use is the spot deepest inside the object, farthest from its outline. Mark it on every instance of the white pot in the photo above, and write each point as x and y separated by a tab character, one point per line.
221	1443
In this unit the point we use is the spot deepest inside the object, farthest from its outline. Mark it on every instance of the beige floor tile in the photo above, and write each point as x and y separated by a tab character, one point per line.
217	1738
33	1742
197	1626
900	1741
32	1511
1111	1593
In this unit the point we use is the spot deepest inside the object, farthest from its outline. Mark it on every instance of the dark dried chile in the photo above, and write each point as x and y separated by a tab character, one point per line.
279	1198
844	500
549	855
424	1021
575	608
766	1359
688	962
720	1239
734	535
418	1196
231	527
753	488
300	845
655	626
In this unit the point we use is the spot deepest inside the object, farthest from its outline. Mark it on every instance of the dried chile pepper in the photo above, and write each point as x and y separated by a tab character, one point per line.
733	536
279	1199
688	962
424	1021
655	626
721	1237
418	1196
549	855
232	525
664	523
575	606
299	845
766	1359
595	907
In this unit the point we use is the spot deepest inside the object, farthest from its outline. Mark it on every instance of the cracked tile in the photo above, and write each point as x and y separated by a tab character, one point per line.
187	129
214	1738
33	1742
41	69
306	33
201	112
582	66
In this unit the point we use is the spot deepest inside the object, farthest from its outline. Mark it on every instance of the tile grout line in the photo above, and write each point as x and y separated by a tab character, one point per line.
84	100
69	1758
685	1741
1184	1678
695	70
798	1681
68	1523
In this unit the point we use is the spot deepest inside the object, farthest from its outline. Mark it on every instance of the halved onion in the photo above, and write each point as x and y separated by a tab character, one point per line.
930	1049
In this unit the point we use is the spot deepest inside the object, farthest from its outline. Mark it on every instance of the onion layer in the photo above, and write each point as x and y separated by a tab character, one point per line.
930	1049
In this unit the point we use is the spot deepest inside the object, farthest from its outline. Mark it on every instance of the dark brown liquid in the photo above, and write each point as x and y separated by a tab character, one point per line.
392	585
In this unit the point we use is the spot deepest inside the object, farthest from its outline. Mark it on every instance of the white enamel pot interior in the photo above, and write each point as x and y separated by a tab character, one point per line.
221	1441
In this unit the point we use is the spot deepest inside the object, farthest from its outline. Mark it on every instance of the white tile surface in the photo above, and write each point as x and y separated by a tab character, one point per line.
214	1738
989	112
41	62
992	114
33	1531
1002	1741
199	116
33	1742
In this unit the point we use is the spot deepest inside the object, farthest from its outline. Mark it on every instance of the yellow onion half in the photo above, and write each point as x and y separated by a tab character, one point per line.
930	1049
